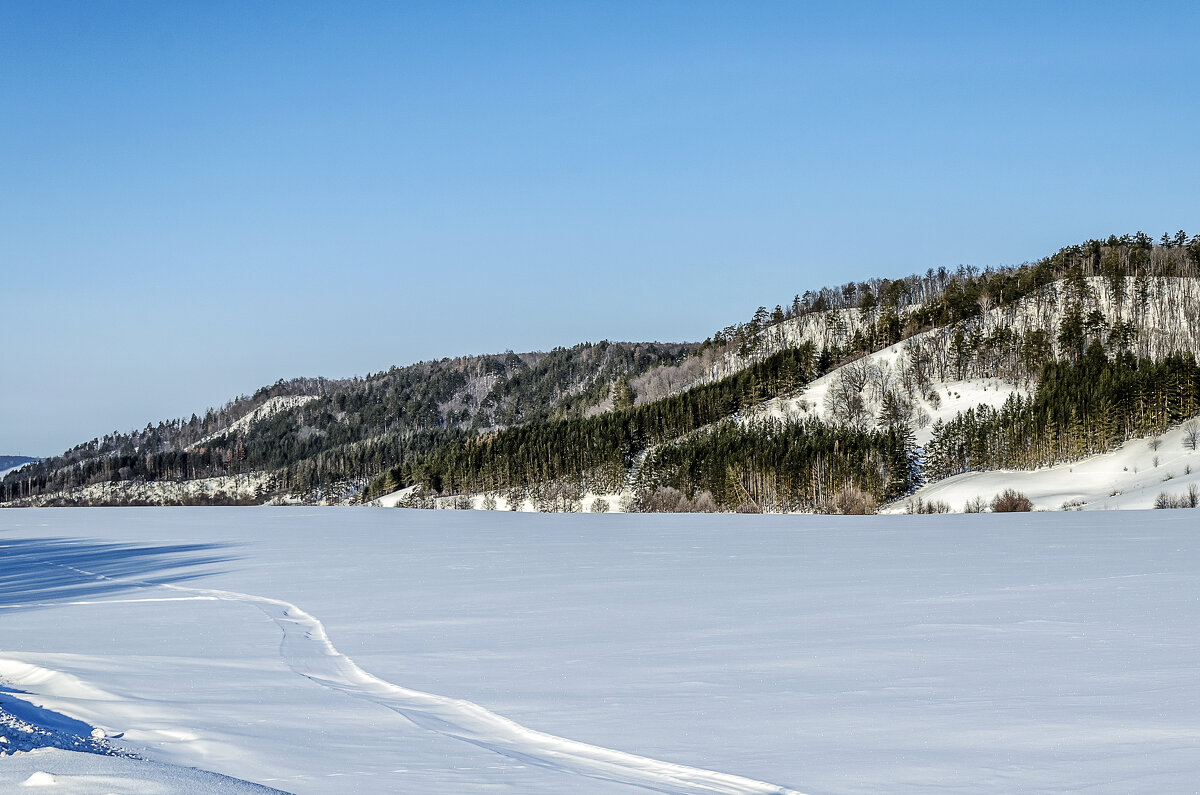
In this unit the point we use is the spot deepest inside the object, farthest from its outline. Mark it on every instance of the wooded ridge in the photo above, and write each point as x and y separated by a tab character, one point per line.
1102	337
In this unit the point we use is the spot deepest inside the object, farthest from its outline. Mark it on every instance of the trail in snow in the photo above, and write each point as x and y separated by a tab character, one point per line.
307	650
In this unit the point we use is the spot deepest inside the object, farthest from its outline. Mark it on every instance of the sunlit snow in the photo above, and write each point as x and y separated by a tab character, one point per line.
384	650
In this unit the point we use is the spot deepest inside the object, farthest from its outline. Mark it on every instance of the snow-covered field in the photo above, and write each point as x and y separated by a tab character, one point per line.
375	650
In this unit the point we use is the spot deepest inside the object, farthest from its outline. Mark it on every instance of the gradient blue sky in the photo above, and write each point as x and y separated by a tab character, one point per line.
201	198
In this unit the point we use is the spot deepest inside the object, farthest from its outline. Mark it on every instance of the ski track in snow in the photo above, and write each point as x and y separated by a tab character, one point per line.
307	650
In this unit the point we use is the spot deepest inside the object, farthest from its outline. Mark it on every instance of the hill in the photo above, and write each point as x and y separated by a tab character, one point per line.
313	435
843	400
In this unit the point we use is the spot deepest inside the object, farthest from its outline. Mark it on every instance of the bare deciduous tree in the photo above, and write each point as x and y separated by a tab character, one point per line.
844	401
1191	434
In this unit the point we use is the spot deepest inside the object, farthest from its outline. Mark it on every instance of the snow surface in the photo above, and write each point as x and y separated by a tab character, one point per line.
457	651
1131	476
57	772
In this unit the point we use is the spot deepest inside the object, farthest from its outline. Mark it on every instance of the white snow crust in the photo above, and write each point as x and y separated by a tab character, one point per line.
369	650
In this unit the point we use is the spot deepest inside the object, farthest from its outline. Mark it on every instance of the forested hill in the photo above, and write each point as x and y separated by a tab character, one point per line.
317	431
823	403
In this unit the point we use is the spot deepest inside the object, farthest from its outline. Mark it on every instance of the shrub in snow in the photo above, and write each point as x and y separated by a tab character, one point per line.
704	502
599	505
1011	501
1189	500
515	497
851	500
558	497
489	502
976	505
933	506
665	499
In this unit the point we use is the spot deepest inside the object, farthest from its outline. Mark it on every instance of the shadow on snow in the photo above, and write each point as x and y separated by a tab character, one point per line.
42	571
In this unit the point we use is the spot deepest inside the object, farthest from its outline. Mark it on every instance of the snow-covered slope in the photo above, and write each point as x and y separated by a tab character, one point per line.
1162	310
834	328
270	408
972	654
1130	477
938	400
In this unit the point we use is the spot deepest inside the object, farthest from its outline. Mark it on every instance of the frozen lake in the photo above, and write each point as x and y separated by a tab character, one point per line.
331	650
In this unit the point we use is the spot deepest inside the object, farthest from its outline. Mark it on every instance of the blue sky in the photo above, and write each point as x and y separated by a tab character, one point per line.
202	198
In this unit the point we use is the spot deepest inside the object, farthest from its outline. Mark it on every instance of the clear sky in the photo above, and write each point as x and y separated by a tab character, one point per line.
197	199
